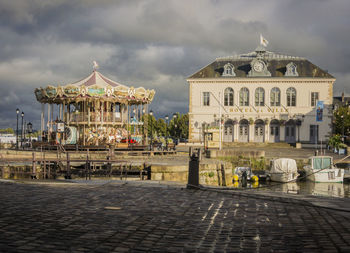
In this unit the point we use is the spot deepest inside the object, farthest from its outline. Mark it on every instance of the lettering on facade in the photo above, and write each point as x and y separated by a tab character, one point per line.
273	110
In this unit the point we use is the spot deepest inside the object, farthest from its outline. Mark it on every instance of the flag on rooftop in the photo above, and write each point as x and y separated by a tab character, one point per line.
263	41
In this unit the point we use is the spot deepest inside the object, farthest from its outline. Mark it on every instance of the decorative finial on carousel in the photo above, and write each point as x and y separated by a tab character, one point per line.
95	65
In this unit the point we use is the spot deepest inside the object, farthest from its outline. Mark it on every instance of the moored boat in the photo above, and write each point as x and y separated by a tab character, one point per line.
322	169
283	170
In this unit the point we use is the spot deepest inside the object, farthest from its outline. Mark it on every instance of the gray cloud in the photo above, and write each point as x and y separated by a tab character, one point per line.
156	44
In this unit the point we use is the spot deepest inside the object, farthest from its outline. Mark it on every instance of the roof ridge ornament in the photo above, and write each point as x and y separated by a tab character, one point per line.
95	65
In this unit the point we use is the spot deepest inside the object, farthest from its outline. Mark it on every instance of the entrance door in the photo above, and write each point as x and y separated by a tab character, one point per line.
274	133
243	132
290	133
259	133
228	133
313	133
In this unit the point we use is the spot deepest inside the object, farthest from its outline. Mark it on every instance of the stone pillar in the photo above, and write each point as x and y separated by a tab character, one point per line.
267	130
251	133
235	131
282	133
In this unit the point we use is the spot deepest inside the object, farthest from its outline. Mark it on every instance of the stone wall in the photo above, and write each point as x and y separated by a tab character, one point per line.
217	173
214	153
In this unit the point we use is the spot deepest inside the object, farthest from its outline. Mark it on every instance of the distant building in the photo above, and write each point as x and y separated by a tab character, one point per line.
7	138
341	101
261	97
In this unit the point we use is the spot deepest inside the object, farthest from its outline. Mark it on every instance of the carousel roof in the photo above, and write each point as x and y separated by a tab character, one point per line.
94	87
96	78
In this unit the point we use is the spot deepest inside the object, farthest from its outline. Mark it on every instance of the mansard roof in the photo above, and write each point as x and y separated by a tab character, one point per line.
276	65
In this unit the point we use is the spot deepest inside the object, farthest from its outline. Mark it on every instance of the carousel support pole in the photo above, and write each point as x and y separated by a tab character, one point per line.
101	107
59	112
64	112
84	115
128	124
51	122
68	109
42	118
48	122
114	112
88	109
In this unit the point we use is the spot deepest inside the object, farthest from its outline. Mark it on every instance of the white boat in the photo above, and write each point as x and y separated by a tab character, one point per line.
283	170
321	169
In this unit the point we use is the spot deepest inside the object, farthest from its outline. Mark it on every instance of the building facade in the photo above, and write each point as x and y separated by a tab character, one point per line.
261	97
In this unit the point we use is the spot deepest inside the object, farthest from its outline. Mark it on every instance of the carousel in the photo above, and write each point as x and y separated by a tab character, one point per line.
95	111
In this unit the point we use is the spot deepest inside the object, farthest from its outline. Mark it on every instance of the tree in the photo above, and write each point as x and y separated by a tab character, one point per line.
7	131
160	127
178	126
341	120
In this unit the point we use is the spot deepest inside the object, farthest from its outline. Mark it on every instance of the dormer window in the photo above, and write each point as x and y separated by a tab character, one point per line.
229	70
291	69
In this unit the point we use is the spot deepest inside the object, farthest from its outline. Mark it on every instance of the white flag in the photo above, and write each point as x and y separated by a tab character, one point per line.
95	65
263	41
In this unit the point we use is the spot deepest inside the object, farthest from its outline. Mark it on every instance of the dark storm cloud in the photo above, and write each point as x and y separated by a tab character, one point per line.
155	44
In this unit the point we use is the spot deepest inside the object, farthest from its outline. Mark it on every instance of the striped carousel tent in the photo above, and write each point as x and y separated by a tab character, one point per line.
96	109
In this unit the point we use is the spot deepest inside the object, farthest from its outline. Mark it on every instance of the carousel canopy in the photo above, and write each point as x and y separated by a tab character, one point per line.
94	87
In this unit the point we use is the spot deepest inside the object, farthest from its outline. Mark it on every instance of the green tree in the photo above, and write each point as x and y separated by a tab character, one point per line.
7	131
160	127
341	120
178	126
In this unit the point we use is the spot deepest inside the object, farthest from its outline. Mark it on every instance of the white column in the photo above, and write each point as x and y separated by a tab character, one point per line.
251	133
282	133
235	132
267	136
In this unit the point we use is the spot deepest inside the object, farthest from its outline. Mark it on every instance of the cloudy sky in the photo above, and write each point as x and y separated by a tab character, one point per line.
156	43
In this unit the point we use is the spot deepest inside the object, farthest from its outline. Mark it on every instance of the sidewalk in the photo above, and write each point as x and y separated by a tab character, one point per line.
141	216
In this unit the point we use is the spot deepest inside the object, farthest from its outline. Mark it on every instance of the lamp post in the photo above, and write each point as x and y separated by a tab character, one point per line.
30	130
166	130
17	112
342	123
151	116
22	128
175	125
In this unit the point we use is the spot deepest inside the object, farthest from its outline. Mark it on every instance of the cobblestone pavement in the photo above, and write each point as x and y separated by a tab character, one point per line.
140	216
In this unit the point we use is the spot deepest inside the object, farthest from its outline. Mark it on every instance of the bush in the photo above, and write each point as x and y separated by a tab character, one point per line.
335	141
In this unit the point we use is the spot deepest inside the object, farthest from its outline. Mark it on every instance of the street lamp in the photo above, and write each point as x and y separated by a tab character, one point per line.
175	125
30	131
166	130
17	112
22	128
151	114
342	123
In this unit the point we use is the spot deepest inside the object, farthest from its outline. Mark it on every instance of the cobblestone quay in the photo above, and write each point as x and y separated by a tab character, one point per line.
144	216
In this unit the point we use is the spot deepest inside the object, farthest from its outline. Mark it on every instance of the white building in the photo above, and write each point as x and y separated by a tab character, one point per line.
262	97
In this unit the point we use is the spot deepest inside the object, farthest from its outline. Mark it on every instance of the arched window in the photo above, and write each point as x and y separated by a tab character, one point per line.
291	97
244	97
259	97
228	97
275	97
